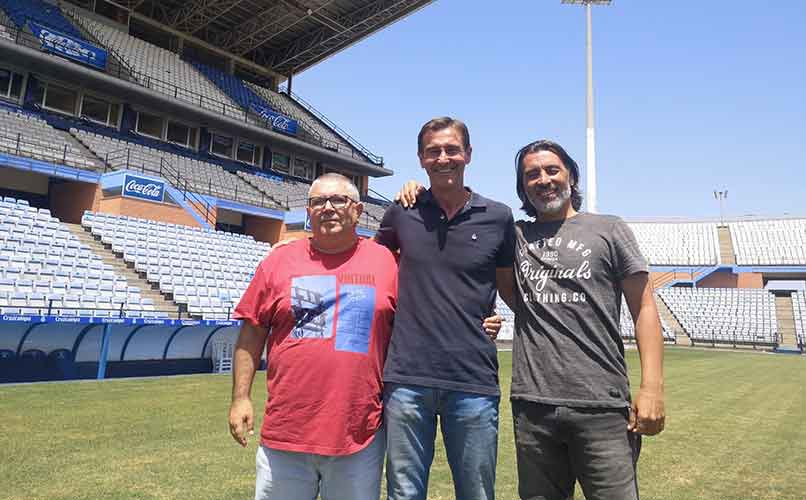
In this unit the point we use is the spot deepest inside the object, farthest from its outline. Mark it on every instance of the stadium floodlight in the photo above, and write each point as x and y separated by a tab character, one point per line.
721	196
590	160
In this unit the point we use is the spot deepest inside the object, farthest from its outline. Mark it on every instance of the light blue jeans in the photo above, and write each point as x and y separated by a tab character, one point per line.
287	475
469	424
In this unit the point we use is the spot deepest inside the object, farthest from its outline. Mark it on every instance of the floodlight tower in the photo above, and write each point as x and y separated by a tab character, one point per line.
590	163
721	196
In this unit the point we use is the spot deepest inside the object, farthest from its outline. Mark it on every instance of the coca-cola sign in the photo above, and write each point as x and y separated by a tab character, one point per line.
143	188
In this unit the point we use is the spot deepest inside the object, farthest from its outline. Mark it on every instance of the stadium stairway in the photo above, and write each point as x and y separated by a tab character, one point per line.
62	124
786	324
122	269
727	256
681	337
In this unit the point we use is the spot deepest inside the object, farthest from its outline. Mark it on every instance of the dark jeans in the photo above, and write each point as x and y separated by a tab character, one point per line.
558	445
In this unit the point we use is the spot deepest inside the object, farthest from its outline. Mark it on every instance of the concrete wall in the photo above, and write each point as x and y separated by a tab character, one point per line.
727	279
658	280
263	229
750	280
69	200
20	180
162	212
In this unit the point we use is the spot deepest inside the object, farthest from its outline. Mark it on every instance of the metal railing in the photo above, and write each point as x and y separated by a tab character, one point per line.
114	65
378	195
372	157
116	310
191	189
123	158
19	145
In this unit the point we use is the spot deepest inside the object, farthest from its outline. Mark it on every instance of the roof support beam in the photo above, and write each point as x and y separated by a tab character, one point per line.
197	14
360	23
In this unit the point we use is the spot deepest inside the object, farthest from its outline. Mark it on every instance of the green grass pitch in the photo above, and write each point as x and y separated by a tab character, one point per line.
736	429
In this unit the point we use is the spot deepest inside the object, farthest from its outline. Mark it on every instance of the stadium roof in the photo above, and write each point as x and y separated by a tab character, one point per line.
284	36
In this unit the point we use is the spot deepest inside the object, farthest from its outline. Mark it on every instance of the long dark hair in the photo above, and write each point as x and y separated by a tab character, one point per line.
568	162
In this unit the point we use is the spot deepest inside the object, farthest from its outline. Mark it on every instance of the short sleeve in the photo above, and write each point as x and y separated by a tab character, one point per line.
627	258
506	251
256	301
387	232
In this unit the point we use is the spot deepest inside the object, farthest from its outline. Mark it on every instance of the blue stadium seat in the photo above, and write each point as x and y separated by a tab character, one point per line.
61	364
32	366
232	86
33	354
9	371
38	11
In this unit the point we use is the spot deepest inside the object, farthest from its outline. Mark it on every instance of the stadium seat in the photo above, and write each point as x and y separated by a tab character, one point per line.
678	244
163	70
724	315
769	242
39	140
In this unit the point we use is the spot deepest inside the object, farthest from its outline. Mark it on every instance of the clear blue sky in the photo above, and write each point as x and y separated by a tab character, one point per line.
690	96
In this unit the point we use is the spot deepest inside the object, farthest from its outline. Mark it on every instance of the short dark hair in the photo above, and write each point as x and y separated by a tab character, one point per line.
568	163
440	123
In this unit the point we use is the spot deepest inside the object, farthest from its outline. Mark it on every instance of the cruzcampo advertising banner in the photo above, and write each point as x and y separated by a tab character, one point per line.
69	46
278	121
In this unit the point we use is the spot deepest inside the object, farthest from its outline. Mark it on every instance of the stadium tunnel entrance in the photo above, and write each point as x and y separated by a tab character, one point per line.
262	227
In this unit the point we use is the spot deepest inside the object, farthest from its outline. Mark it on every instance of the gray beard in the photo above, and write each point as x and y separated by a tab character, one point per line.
553	206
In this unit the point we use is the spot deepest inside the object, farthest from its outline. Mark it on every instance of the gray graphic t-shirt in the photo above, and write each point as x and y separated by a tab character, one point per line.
567	347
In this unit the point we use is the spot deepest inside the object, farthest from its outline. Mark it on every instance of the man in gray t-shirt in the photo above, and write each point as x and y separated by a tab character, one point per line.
574	417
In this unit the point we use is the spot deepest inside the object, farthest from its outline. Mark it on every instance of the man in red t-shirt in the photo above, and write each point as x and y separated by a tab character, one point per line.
329	302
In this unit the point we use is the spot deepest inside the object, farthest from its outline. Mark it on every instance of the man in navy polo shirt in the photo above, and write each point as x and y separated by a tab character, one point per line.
453	243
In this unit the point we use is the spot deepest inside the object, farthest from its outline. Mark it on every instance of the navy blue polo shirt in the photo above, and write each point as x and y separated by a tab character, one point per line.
446	288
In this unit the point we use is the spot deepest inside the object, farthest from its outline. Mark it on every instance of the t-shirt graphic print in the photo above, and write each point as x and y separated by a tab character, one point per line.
567	347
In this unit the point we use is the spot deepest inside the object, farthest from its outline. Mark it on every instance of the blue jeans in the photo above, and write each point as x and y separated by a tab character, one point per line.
469	424
288	475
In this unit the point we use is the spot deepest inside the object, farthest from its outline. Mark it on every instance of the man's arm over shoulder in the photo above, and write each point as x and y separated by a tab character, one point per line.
387	234
505	260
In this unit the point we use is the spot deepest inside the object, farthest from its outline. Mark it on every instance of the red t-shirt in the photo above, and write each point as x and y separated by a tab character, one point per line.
330	322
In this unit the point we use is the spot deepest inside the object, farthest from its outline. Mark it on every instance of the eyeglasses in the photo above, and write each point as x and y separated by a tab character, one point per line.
336	201
436	152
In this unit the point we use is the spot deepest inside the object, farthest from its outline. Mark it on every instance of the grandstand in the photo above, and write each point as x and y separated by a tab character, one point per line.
163	70
150	156
724	315
769	243
204	271
678	244
40	12
47	271
148	166
25	134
